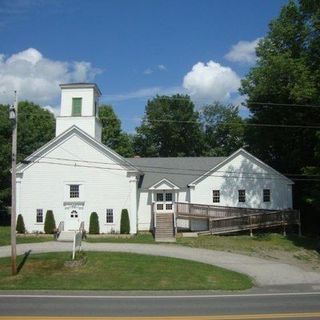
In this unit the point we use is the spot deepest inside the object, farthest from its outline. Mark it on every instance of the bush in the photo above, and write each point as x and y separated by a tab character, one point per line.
49	223
125	223
94	224
20	225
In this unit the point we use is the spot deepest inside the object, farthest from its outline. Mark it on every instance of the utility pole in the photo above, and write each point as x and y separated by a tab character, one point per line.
13	116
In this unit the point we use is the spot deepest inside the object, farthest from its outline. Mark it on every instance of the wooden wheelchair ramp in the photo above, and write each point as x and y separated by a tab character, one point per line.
222	220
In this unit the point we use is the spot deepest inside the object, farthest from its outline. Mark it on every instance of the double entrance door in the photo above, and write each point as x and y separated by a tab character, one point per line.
164	201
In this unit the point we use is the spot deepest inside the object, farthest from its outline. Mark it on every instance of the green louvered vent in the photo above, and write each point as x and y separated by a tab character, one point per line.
76	107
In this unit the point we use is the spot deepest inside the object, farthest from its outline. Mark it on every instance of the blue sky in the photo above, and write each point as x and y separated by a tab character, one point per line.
131	49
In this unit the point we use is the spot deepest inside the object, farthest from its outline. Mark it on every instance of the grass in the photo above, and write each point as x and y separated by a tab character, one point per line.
266	245
242	243
5	237
119	271
139	238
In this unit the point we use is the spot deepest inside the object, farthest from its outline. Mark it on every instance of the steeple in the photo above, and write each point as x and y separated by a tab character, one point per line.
79	107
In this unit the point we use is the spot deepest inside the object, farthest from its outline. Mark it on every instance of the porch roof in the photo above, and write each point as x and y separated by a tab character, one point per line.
179	170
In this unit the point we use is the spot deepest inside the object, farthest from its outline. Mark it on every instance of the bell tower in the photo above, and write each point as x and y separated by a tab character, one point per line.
79	107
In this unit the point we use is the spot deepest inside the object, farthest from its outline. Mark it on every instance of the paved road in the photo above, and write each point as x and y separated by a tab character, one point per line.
264	272
303	305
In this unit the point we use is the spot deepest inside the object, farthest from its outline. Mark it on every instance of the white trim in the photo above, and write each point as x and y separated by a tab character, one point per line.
164	180
74	130
231	157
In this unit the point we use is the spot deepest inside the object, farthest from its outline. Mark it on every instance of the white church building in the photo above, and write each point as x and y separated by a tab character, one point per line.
75	174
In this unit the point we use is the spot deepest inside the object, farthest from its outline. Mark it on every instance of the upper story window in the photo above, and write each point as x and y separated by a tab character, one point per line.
74	191
215	196
242	195
76	106
266	195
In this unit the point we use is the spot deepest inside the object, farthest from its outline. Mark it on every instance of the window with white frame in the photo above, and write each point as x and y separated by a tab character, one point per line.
242	195
159	197
39	217
266	195
109	216
164	201
215	196
74	191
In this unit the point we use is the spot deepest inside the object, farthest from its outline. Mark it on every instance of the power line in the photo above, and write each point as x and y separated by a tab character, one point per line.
141	167
267	125
170	97
176	173
283	104
317	126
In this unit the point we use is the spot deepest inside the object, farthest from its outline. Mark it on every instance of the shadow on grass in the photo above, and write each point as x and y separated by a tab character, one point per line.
23	261
306	242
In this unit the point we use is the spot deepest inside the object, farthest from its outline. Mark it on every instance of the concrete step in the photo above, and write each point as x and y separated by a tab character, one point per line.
66	236
165	239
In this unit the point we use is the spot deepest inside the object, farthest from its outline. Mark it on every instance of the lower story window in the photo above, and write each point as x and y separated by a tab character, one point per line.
109	215
242	195
159	206
216	196
266	195
39	215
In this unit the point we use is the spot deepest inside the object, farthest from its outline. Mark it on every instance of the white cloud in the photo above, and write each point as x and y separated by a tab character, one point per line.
210	82
148	71
37	78
159	67
143	93
243	52
162	67
53	110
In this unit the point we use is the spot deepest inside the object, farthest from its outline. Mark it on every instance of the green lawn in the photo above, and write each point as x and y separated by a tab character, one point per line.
5	237
264	245
119	271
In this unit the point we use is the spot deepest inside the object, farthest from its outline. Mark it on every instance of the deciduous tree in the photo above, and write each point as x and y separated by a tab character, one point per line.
170	128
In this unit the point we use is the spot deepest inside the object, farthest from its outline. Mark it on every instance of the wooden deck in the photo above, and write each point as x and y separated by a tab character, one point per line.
231	219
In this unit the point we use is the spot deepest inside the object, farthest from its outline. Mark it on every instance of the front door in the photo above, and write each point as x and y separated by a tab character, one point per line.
164	201
72	220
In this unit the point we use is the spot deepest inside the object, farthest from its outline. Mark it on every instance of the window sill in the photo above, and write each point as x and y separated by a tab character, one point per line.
39	223
110	224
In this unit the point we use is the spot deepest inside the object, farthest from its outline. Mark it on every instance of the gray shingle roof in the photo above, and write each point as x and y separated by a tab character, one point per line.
180	171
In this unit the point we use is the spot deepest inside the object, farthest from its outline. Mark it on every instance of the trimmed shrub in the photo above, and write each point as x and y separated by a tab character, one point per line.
49	223
20	225
94	224
125	223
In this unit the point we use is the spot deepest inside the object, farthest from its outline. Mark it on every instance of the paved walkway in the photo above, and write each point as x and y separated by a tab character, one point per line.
264	272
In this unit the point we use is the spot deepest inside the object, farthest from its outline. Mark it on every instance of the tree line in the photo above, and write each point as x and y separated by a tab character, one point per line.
281	90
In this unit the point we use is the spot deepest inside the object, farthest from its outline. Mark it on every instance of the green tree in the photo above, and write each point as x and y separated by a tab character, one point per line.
49	223
36	127
20	225
112	135
124	222
94	224
284	75
223	129
288	72
170	128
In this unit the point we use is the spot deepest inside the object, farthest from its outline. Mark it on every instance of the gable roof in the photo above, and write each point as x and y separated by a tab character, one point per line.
179	171
247	155
74	130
